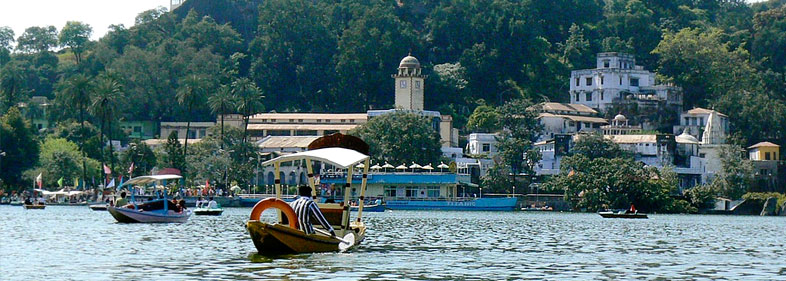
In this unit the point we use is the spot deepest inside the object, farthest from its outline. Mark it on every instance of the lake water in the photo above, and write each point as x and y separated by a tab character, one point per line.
75	243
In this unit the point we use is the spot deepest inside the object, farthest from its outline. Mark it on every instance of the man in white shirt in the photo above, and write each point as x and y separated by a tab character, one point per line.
212	204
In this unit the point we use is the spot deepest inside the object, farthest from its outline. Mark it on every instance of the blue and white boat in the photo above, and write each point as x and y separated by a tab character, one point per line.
155	211
456	204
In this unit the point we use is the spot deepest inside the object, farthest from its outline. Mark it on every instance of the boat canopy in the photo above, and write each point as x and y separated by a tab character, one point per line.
144	180
336	156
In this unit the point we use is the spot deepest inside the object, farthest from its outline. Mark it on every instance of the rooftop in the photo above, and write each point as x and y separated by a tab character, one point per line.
763	144
299	115
286	141
699	110
575	118
632	138
556	106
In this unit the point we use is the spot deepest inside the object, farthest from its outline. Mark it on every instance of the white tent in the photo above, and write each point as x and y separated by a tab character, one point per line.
336	156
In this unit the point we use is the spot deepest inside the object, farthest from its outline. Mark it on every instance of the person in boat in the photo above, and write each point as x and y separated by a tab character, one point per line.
212	204
200	201
632	209
28	202
122	201
305	208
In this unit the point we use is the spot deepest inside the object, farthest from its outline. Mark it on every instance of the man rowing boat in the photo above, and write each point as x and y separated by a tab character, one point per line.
305	208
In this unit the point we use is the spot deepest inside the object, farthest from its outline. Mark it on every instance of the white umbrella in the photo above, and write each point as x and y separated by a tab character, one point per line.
376	167
387	166
428	167
442	166
414	166
360	166
401	167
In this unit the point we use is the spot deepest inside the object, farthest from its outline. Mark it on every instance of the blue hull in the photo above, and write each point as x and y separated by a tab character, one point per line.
480	204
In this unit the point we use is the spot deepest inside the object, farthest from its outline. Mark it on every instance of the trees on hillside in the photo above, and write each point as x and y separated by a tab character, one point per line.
18	148
107	96
401	138
191	91
75	35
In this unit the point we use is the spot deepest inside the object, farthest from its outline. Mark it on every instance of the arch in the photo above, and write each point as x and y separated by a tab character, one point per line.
303	179
292	179
270	178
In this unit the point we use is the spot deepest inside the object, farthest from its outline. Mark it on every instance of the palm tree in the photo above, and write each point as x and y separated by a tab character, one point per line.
12	80
107	94
191	90
220	103
75	91
249	101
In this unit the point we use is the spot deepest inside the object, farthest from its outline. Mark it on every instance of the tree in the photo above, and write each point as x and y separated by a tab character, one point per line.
172	155
220	103
37	39
12	81
191	90
233	163
75	35
60	158
141	156
736	174
6	37
72	131
107	95
249	101
19	146
596	146
401	137
75	92
485	119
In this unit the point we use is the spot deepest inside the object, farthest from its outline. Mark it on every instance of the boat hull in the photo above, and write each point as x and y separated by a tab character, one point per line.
208	212
98	207
35	207
126	215
609	215
478	204
369	208
276	239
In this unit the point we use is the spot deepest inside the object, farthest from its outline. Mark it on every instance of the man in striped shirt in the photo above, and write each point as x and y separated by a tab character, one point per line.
305	208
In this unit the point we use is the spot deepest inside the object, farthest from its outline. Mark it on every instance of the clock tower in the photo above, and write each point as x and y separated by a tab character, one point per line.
409	84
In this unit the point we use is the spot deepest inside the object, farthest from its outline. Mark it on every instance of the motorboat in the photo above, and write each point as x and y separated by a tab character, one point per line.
34	206
374	208
283	236
623	215
98	207
154	211
208	211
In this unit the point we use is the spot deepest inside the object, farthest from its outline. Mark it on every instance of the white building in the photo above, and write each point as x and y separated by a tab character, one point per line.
196	130
617	79
565	118
695	120
482	143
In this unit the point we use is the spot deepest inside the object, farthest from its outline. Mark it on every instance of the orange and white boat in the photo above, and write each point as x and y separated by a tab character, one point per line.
284	237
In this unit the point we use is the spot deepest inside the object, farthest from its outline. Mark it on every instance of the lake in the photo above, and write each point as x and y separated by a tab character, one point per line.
75	243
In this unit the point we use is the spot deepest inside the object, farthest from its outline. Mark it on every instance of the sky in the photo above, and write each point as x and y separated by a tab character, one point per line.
99	14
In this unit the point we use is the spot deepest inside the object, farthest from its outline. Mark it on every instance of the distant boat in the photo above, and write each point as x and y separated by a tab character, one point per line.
370	208
622	215
98	207
155	211
34	206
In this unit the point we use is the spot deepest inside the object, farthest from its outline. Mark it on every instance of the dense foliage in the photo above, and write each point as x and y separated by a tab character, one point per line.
401	138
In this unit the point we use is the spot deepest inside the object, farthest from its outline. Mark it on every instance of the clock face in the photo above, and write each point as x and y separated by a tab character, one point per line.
403	84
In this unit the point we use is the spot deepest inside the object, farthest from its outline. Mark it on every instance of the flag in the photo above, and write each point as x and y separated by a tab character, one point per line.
107	170
60	182
111	184
39	180
131	169
121	182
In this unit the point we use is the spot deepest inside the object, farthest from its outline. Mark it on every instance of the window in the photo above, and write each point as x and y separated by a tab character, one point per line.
577	82
767	156
300	120
417	84
620	79
588	96
577	97
291	120
137	129
191	134
319	120
601	95
403	84
634	82
343	120
701	121
763	172
589	81
601	80
605	64
486	147
202	133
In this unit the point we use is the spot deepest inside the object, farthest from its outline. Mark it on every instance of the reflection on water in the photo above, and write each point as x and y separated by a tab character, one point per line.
78	244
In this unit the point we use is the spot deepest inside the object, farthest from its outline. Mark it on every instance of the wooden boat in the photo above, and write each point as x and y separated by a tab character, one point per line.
34	206
98	207
208	212
148	212
16	203
284	237
622	215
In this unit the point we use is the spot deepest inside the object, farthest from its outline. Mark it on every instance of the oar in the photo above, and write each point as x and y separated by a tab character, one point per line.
347	242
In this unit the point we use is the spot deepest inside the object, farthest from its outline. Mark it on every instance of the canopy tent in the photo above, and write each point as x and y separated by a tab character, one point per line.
428	167
336	156
144	180
376	167
401	167
415	166
387	166
442	166
360	166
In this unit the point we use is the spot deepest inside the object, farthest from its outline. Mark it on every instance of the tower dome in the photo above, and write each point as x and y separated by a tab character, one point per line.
620	117
409	62
685	137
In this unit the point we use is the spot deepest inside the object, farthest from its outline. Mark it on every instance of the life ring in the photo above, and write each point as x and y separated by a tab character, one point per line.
276	203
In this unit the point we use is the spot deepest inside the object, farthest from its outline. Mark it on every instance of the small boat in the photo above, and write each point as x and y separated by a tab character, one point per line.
284	237
155	211
34	206
374	208
98	207
208	212
16	203
622	215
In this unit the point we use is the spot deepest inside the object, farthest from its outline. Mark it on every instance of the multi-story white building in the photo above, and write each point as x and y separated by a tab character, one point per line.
617	79
565	118
482	143
695	120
